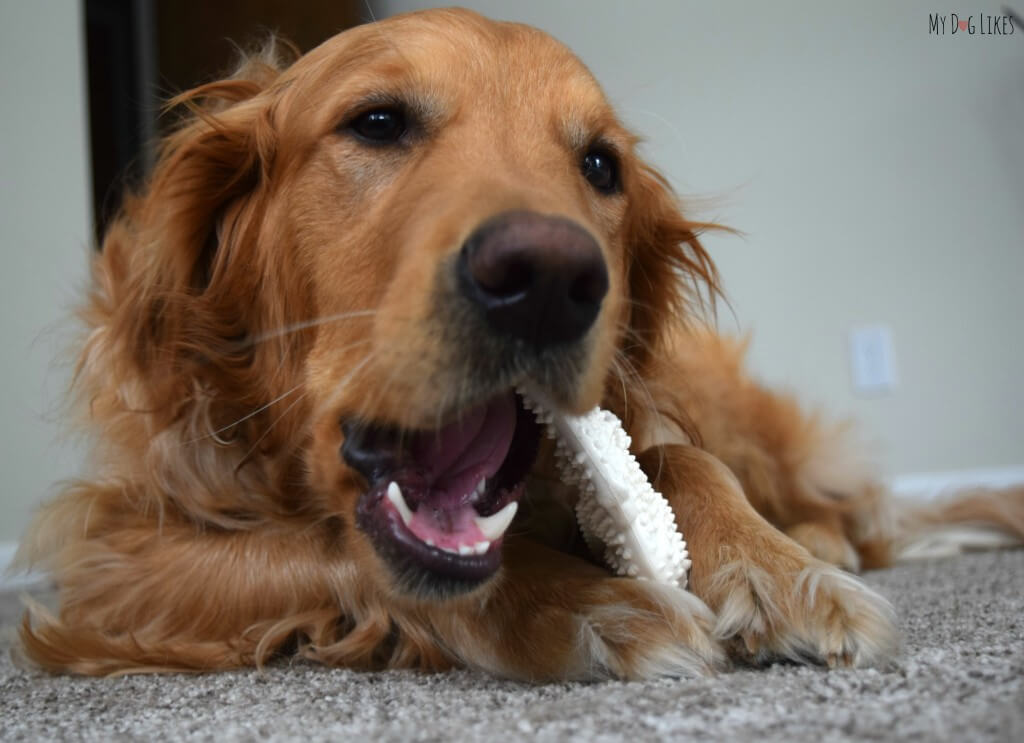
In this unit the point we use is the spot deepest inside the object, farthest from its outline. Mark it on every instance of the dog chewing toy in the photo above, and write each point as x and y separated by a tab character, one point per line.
624	520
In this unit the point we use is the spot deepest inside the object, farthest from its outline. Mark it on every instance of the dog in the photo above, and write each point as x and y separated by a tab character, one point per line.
303	340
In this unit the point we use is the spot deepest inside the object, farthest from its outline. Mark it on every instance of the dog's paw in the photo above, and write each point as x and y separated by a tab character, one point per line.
803	610
567	627
633	629
827	544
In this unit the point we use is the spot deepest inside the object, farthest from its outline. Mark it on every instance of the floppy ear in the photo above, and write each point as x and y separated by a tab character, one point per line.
165	288
671	276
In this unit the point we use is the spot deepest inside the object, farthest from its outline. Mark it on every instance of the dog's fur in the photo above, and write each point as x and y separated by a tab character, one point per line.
276	275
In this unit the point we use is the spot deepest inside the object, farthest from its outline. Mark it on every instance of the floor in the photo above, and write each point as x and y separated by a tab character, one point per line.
960	678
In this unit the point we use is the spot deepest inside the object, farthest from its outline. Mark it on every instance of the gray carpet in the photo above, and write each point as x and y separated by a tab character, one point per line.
960	678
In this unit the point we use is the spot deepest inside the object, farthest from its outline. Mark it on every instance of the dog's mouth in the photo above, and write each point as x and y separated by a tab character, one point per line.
440	502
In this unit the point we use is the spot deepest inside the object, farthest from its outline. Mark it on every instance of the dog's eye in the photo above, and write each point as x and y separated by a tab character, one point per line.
601	169
380	125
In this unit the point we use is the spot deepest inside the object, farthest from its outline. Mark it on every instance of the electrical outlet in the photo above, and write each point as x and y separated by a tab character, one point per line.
871	359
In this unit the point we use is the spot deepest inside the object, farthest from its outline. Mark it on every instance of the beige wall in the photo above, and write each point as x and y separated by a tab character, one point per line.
44	228
878	173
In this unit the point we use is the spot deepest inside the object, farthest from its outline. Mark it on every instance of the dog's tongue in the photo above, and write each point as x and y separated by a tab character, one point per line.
473	447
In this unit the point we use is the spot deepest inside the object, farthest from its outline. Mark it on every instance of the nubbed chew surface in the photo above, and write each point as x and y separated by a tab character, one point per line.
623	519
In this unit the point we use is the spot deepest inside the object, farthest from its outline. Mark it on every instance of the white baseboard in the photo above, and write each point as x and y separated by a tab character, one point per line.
934	484
918	485
16	580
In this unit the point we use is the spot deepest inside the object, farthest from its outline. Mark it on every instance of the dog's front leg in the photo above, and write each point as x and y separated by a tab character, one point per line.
552	616
771	597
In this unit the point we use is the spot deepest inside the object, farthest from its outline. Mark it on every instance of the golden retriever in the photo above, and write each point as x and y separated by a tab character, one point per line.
334	279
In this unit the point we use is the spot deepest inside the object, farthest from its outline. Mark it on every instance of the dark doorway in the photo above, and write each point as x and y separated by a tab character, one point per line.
142	52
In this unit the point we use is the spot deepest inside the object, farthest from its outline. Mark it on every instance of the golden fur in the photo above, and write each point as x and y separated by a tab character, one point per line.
274	274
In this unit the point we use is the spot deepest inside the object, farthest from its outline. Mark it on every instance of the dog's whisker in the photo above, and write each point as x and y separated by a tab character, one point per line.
676	133
369	9
215	434
617	368
379	393
339	388
278	419
306	324
652	408
623	362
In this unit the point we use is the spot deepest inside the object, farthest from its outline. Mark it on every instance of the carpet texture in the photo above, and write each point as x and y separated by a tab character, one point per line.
960	678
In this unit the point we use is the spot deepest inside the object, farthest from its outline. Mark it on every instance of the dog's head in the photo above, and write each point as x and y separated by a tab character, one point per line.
341	271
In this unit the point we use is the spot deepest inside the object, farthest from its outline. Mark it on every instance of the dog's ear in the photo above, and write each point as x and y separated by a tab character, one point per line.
177	274
670	275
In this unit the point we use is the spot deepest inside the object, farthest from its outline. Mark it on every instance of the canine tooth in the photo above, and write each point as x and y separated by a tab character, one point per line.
495	525
481	486
481	547
465	549
429	542
398	501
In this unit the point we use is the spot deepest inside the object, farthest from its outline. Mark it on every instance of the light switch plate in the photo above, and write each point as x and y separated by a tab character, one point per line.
872	367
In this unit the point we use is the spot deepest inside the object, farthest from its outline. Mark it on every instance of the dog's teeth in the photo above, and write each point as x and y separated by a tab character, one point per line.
481	486
494	526
481	547
398	501
465	549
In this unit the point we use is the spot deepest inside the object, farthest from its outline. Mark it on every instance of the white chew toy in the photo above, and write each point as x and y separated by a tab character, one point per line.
623	519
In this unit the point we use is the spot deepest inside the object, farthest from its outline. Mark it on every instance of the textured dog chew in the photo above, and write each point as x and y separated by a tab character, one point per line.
623	519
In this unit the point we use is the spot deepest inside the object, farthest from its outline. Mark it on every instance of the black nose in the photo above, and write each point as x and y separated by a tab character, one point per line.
537	278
